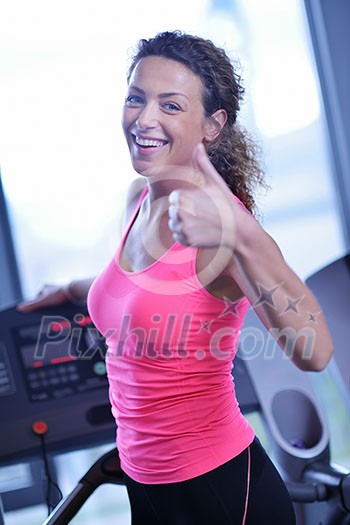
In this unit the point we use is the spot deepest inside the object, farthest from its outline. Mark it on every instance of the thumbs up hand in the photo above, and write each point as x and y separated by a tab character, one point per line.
205	216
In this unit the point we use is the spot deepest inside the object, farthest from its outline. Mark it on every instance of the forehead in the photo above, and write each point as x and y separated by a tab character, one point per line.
167	74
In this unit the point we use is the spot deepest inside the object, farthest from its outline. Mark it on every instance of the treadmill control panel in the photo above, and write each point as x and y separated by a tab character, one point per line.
60	357
52	370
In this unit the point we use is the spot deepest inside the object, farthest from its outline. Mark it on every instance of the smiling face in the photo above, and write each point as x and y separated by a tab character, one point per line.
163	116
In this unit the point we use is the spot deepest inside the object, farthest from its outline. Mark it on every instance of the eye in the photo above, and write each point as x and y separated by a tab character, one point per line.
171	107
134	100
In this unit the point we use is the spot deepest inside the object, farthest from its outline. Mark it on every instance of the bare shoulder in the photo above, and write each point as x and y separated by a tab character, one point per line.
135	189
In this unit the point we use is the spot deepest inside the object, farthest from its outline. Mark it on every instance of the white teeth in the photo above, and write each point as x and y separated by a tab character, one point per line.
149	142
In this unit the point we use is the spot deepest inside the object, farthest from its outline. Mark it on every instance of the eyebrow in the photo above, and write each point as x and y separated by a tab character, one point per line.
161	95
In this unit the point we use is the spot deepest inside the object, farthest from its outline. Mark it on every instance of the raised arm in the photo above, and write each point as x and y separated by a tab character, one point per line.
210	217
285	305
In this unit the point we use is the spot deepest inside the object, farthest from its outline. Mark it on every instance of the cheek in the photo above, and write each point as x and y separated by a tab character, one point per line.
190	136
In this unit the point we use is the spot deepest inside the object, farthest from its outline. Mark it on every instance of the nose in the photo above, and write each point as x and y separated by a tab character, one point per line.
147	117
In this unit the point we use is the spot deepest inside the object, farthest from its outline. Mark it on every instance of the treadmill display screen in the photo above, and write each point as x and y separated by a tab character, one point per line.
61	357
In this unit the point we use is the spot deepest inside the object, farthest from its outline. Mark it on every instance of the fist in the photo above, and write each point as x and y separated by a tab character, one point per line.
203	217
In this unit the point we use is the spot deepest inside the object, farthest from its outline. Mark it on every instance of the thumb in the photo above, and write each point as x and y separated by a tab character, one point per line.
203	164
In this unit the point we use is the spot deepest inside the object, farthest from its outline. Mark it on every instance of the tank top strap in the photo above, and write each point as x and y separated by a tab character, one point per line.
134	214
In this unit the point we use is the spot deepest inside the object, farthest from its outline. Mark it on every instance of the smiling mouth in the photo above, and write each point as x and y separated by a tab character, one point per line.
148	143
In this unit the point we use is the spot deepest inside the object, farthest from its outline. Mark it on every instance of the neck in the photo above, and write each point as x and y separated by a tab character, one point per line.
162	184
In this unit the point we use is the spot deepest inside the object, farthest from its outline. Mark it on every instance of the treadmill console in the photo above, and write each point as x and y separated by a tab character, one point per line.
52	371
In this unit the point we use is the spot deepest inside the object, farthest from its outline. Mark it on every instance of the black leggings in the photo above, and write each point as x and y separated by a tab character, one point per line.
218	497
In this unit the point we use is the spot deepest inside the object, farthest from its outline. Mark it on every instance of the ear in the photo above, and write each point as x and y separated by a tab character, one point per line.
214	124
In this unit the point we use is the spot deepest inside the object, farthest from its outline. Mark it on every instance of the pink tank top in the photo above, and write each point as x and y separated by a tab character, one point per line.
170	350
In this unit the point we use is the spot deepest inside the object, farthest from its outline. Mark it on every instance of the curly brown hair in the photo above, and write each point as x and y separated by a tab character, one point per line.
233	153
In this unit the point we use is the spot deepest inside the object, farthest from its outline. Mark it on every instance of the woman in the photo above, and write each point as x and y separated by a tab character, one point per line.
173	299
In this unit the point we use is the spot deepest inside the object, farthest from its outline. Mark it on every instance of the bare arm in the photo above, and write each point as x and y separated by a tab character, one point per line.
209	217
281	300
53	295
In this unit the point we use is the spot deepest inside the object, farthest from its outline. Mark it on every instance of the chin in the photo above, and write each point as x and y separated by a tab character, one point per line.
147	166
146	169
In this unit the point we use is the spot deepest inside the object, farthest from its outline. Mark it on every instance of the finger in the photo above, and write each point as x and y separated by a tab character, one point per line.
30	306
175	226
172	211
204	165
174	198
174	205
181	238
181	203
48	296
